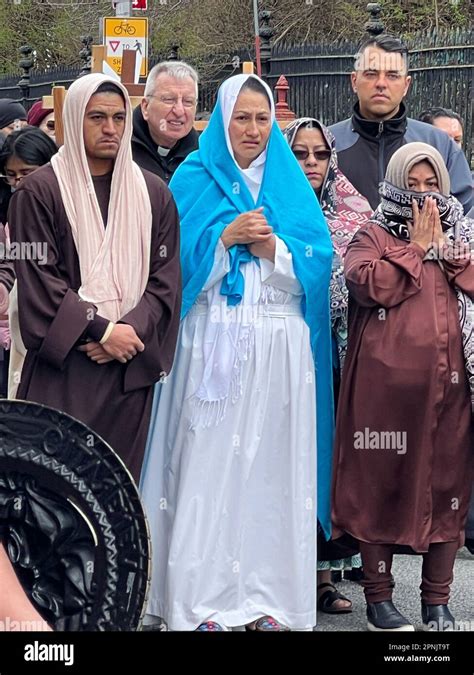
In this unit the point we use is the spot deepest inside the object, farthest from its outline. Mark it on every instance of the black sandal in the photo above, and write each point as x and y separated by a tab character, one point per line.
329	597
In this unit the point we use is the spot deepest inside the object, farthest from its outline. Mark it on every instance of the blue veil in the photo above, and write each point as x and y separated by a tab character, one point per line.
210	193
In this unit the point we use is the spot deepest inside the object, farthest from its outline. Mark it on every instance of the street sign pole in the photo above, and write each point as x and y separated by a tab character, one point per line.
123	8
257	38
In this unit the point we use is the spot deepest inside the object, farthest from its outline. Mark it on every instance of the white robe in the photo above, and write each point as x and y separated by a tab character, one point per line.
232	507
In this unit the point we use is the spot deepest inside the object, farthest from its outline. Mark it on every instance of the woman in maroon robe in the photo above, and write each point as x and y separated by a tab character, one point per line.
404	438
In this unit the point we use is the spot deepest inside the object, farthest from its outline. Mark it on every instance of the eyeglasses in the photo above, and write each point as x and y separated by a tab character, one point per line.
171	102
14	178
50	125
320	155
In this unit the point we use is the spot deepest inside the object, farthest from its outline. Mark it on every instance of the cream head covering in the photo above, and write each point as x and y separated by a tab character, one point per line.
114	260
405	158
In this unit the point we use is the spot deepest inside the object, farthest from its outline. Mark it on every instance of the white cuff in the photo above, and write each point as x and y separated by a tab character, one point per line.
107	333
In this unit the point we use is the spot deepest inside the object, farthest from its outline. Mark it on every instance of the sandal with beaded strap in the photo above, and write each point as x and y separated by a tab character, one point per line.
209	627
266	624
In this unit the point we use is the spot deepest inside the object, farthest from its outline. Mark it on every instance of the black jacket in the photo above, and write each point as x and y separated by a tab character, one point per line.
364	148
145	151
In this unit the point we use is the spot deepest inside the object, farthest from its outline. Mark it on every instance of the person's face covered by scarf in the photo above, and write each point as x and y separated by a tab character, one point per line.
415	194
250	126
425	226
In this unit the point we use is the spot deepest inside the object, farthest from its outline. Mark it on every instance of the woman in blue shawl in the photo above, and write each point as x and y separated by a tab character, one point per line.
229	481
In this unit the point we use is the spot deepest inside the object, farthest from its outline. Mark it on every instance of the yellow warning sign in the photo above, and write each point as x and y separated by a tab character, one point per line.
126	33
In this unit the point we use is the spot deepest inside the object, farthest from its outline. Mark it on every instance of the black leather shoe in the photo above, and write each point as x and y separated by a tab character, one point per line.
384	616
437	617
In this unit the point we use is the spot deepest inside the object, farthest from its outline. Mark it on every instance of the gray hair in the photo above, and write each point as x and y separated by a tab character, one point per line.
178	69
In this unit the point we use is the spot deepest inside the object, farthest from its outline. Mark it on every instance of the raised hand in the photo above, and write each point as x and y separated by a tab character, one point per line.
438	234
422	228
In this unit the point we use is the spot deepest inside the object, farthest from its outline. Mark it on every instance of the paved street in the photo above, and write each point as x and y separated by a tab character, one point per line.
407	573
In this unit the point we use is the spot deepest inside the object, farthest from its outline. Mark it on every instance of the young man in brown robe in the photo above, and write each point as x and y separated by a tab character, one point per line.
403	462
100	318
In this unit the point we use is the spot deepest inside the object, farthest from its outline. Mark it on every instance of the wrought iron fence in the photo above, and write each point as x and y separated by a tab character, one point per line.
441	65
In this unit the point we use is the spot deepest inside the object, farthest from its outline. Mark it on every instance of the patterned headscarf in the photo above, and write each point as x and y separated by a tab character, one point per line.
345	211
396	208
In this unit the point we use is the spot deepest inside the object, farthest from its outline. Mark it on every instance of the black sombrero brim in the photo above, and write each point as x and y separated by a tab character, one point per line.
72	521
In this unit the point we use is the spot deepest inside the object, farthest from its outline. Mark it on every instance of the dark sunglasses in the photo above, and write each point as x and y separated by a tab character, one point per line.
50	125
321	155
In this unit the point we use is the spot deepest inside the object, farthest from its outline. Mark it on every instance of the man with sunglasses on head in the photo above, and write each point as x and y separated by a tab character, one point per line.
163	133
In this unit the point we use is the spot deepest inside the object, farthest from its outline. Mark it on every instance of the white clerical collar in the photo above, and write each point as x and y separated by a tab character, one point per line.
164	152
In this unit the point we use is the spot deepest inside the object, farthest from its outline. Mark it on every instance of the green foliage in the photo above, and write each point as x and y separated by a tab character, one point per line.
410	16
203	28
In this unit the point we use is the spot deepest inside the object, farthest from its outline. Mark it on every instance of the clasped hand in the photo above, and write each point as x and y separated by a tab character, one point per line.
122	345
251	228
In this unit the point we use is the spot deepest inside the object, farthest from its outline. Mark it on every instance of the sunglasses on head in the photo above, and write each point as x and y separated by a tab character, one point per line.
320	155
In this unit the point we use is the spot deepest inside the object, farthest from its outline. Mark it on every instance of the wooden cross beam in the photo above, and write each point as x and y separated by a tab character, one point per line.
136	91
127	77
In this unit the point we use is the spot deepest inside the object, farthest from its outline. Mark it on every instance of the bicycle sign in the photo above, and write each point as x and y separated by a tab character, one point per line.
124	29
126	33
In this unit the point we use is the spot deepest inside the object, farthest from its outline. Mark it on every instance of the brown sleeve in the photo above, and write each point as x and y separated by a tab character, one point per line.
52	316
458	265
156	317
377	274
